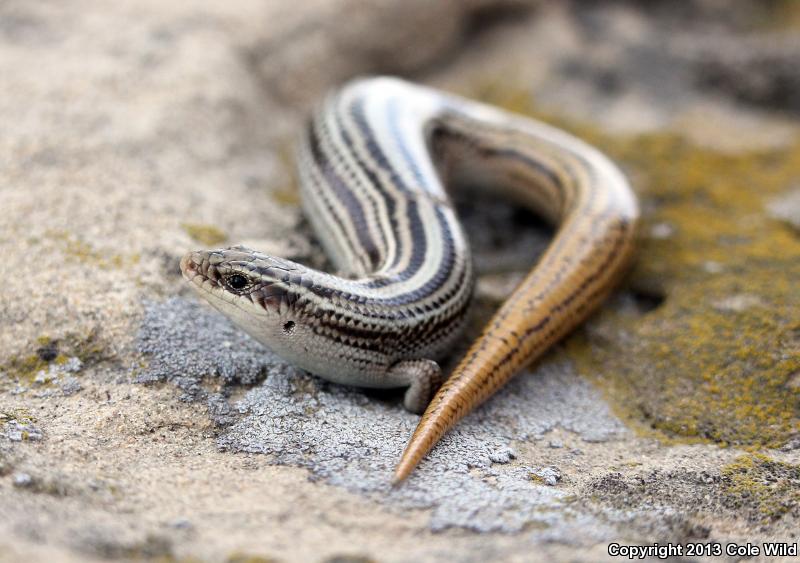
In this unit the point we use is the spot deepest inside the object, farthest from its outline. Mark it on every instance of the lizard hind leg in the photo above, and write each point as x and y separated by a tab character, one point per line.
423	378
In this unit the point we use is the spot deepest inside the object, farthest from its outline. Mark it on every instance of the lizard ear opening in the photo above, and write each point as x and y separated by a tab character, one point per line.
288	327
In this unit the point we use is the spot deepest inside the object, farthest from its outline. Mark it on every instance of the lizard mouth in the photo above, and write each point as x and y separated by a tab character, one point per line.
197	269
189	265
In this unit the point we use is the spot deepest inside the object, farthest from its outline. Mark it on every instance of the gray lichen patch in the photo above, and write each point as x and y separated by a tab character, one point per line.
752	486
351	439
20	431
185	344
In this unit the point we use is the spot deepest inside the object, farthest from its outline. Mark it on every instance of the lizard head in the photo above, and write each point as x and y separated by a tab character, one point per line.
254	290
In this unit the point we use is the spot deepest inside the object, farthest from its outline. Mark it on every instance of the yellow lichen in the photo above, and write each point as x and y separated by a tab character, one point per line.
23	368
289	194
76	248
88	347
20	414
208	235
762	487
706	364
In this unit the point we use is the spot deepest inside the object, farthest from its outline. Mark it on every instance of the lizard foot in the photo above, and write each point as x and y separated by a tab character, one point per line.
424	378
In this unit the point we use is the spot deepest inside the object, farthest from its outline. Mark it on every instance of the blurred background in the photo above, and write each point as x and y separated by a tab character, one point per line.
134	423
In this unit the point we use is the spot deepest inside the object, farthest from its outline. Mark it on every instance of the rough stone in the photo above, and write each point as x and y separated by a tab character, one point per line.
346	439
137	424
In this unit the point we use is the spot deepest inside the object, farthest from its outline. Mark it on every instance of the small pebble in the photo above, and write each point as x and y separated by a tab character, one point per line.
662	231
503	455
547	475
22	480
713	267
181	524
738	302
787	208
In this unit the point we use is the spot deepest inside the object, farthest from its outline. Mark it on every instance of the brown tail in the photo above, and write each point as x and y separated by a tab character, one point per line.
568	284
470	385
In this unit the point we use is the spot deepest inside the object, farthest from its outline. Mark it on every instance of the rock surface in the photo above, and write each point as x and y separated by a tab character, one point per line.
137	424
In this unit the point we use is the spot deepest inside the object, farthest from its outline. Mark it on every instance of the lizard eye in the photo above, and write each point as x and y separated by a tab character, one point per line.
236	281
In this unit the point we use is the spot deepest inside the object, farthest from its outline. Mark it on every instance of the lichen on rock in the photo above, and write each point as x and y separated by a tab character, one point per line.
205	234
764	489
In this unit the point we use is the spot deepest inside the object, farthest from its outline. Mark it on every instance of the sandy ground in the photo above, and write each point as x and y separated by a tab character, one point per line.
135	423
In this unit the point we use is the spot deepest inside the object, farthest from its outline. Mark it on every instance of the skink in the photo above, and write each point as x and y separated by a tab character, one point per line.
373	166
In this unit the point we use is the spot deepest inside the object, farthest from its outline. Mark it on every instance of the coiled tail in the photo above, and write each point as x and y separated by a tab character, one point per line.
590	199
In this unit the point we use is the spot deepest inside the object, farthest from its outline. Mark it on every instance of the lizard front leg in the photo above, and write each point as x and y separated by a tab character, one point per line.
423	378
